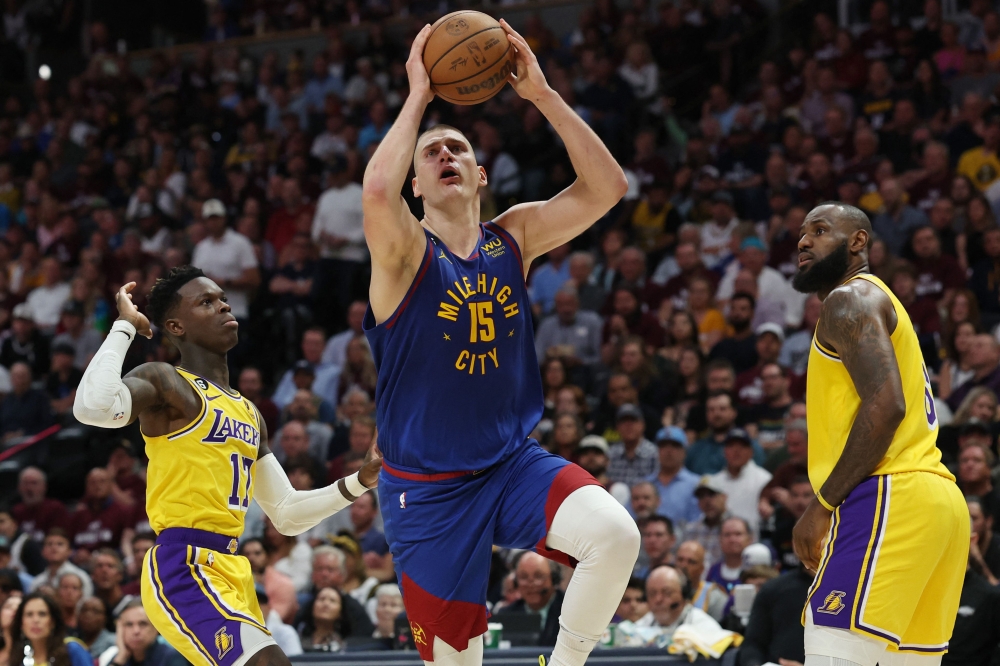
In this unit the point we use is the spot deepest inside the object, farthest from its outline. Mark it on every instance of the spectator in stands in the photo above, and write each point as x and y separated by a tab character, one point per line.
707	529
705	595
108	573
750	382
338	231
326	626
634	458
251	385
899	219
62	381
288	555
335	352
985	553
548	279
795	350
56	551
99	520
792	505
374	548
303	411
283	634
742	479
38	630
711	322
326	376
982	282
773	633
735	535
980	164
358	369
8	608
361	434
228	258
974	475
142	543
984	359
658	541
674	483
706	456
69	593
92	620
581	270
977	628
82	340
24	552
139	644
538	580
633	604
25	411
739	346
26	344
669	608
938	275
277	586
592	454
570	334
388	606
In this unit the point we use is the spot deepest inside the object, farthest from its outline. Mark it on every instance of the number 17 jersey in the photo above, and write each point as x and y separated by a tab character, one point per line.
201	476
459	387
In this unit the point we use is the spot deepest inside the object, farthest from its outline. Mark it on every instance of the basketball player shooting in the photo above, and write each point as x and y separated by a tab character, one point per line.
888	531
459	389
208	457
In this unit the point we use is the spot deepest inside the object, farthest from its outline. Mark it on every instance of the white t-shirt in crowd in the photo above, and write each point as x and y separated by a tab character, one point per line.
47	303
226	258
339	213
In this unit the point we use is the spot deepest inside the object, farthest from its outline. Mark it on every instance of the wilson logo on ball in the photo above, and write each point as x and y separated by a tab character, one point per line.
457	27
487	84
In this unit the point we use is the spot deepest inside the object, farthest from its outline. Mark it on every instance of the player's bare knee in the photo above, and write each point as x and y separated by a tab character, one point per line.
270	655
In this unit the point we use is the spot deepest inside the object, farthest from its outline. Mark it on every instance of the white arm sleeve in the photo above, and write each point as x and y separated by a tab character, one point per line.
295	511
102	399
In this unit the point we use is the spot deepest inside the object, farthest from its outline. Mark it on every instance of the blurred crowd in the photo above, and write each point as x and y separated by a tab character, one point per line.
673	350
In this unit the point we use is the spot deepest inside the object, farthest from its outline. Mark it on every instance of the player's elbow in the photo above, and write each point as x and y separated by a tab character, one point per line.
893	409
287	527
619	184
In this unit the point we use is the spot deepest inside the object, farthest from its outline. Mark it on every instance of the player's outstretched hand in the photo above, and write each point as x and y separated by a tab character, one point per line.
128	311
807	537
420	81
368	476
528	81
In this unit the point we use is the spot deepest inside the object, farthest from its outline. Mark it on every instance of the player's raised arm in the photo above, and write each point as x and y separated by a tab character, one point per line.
294	511
856	325
107	400
390	228
600	182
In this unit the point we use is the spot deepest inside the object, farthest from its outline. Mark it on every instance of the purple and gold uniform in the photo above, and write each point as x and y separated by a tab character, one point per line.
459	391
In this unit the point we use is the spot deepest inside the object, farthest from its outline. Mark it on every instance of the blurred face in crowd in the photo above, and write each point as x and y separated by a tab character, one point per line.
106	572
55	549
734	537
775	383
620	390
254	551
645	500
312	346
565	432
942	214
593	461
737	454
20	378
720	379
302	408
904	286
799	496
555	373
632	264
980	522
387	609
672	456
972	465
37	623
8	526
327	571
664	595
686	256
327	606
631	430
580	268
740	313
719	413
657	540
363	511
69	590
294	440
92	616
796	442
566	401
983	352
700	293
711	504
445	168
534	580
690	559
357	403
250	383
925	243
632	357
98	484
633	605
753	259
566	305
984	408
361	436
768	347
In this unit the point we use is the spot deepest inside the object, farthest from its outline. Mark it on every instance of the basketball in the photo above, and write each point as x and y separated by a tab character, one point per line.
468	57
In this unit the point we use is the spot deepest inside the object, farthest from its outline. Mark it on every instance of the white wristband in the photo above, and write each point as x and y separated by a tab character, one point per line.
354	485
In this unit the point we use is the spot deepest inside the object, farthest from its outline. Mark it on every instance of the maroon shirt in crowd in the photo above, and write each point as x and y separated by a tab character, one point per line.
924	315
38	519
100	528
929	189
936	274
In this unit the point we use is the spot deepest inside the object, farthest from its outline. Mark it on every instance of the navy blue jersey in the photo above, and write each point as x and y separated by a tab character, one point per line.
458	382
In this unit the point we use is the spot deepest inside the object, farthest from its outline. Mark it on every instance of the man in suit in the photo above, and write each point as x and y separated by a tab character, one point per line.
537	579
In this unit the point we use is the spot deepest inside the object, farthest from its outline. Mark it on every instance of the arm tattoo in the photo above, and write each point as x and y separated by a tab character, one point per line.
856	326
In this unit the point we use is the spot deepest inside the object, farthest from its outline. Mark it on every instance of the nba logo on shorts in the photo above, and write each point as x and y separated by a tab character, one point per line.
223	642
402	500
833	604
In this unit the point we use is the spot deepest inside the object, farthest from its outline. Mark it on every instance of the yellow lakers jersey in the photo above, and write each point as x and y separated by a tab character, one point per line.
201	476
832	403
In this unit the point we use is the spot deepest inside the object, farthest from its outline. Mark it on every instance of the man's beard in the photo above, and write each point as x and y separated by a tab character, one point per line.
740	326
823	274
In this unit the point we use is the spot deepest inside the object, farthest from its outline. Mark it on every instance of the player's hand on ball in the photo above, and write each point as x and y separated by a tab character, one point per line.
368	476
128	311
420	81
807	537
528	81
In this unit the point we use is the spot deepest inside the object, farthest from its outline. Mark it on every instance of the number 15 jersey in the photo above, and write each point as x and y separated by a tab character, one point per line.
458	382
201	476
832	404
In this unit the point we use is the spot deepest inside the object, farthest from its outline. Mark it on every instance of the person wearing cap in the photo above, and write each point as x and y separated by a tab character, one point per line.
674	482
26	343
712	502
84	340
634	458
706	456
750	383
338	231
717	231
742	479
46	301
63	379
325	376
592	455
228	258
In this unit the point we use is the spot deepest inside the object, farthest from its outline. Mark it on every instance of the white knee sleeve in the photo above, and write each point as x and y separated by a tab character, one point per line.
593	528
840	645
446	655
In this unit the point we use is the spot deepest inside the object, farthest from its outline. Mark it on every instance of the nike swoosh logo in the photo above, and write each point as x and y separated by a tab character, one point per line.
212	398
127	335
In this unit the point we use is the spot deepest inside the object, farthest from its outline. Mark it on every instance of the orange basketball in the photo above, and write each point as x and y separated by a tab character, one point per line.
468	57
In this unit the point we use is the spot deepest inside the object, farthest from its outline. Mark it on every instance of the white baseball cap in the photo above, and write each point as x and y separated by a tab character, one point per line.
212	208
757	554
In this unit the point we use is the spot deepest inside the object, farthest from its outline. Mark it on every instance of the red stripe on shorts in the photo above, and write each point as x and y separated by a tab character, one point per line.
569	478
411	476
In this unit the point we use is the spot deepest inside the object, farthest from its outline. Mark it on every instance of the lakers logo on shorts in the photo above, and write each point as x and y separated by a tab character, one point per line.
223	642
833	604
233	546
419	636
